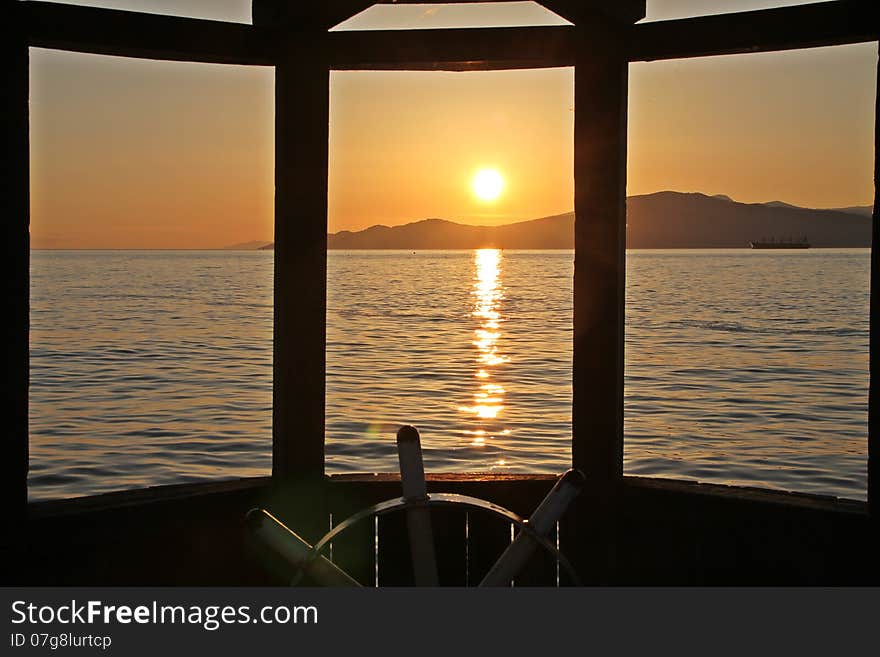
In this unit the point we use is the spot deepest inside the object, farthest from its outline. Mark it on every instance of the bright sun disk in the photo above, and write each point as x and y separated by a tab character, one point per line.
487	184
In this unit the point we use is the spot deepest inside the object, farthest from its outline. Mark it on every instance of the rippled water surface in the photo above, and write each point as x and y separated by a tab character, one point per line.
742	367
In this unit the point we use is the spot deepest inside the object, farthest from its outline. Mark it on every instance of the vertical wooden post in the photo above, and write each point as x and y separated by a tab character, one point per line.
589	535
15	264
302	79
600	221
874	343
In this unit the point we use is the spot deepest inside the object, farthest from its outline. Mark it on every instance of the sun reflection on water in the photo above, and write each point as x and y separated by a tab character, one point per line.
488	399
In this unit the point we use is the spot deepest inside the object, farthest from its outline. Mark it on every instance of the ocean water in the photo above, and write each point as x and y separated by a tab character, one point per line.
154	367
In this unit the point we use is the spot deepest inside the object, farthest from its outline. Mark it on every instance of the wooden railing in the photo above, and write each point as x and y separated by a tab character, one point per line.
654	531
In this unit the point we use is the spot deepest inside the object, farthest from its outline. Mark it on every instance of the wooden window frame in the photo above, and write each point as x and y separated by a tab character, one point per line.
598	45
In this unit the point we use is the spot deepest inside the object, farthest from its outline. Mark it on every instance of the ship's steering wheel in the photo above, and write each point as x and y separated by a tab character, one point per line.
307	560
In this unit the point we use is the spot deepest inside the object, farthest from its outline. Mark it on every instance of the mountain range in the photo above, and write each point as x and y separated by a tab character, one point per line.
663	220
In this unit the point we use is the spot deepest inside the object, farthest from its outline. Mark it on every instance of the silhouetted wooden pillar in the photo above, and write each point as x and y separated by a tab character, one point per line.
599	202
589	533
302	124
15	264
302	79
874	348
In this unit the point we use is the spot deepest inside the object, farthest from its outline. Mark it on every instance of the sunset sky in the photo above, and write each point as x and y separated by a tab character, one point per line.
141	154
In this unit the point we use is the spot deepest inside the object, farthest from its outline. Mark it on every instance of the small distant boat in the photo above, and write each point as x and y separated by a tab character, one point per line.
773	243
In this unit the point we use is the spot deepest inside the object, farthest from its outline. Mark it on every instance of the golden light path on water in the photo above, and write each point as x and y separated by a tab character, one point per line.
487	406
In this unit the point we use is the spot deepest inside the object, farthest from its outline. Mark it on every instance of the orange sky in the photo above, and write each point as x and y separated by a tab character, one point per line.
139	154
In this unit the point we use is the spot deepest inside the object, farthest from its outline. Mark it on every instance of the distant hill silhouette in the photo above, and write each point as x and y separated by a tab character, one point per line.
664	220
863	210
247	246
546	233
676	220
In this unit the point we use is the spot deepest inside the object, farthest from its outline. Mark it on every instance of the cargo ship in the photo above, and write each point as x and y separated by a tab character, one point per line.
779	244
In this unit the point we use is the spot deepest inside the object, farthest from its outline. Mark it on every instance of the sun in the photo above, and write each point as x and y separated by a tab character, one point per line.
487	184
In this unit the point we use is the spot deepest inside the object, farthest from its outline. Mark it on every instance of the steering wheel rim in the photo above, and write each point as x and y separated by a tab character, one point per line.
397	504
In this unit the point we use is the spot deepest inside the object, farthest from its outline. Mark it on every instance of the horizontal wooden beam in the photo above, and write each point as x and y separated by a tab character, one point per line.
786	28
627	11
148	36
305	16
134	34
442	2
585	13
464	49
805	26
